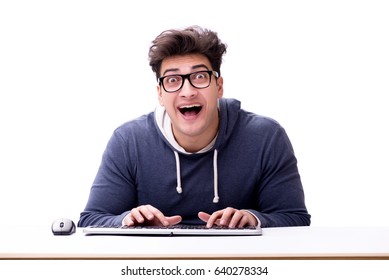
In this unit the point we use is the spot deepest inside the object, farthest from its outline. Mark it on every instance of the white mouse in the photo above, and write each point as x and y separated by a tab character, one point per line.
63	227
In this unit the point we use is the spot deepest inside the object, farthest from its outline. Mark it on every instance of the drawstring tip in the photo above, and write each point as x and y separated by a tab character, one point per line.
216	199
179	189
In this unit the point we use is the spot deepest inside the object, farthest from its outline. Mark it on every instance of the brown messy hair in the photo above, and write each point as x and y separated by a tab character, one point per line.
191	40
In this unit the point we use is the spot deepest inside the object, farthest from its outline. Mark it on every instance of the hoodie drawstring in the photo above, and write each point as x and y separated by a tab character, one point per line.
215	176
215	183
178	188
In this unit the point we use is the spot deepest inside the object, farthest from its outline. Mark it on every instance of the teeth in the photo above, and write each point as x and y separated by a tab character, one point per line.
189	106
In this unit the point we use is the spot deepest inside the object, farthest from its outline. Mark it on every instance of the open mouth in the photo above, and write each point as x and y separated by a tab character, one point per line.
191	110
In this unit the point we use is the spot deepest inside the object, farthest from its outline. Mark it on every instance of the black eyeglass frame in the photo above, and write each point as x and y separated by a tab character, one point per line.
187	77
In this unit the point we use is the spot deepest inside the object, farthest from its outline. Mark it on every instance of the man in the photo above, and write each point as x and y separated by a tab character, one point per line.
198	158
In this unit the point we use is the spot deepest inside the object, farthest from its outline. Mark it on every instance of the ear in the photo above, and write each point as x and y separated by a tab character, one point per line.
159	94
219	83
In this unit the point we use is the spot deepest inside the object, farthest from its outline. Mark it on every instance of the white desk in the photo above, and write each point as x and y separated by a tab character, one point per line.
276	243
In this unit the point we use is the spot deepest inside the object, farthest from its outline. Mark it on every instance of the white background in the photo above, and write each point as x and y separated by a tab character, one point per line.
72	71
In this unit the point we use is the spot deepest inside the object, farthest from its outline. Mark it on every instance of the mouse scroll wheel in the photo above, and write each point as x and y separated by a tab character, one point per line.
61	224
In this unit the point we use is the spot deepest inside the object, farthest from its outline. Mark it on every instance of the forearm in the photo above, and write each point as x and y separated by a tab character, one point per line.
89	218
286	219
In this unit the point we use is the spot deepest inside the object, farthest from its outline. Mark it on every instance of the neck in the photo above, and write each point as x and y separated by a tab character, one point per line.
196	143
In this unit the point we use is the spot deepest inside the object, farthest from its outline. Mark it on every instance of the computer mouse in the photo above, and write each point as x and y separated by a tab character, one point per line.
63	227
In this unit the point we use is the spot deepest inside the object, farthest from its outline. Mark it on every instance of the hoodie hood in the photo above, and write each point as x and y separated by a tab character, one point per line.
228	115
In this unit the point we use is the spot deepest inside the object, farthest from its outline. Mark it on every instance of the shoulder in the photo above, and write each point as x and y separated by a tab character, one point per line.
262	131
232	113
244	126
258	122
141	122
140	125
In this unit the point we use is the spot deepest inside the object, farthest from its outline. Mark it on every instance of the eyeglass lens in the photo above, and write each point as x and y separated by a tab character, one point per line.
199	79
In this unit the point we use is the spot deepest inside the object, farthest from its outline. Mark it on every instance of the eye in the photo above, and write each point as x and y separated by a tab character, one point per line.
200	76
173	79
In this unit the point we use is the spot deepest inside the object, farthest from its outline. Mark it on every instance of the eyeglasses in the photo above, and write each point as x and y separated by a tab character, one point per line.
199	79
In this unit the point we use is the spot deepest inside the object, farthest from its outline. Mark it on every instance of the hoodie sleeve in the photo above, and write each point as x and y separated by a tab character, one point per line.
280	200
112	194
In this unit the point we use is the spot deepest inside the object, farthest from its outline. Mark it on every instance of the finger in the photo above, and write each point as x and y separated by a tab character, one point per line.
139	214
236	218
214	218
149	212
127	221
227	215
251	220
203	216
157	216
136	216
244	221
173	220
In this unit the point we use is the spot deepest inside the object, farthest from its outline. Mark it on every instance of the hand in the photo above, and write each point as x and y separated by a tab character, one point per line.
149	215
230	217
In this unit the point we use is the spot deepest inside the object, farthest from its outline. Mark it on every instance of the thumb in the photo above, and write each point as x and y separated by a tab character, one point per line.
204	216
173	220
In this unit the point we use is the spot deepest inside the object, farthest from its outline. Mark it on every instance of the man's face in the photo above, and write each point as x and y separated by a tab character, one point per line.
193	111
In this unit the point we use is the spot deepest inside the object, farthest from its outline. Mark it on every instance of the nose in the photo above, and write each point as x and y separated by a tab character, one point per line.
188	90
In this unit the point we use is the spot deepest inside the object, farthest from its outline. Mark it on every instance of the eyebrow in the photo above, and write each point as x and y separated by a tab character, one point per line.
194	67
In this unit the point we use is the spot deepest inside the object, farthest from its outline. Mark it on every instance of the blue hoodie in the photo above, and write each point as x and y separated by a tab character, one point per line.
250	165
